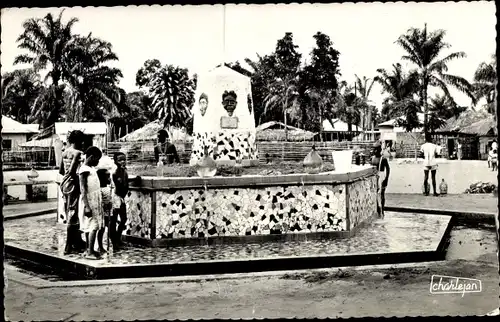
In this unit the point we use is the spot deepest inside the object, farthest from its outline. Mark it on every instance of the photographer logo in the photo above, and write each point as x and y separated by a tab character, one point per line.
441	284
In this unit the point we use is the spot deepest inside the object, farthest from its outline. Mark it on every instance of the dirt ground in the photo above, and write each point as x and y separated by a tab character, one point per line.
403	292
332	293
408	178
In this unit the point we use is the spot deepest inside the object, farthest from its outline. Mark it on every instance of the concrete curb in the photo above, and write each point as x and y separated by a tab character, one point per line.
15	275
30	214
486	217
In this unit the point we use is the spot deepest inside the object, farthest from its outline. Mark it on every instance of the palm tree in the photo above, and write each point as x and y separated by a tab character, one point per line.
423	49
324	101
93	85
485	84
20	88
282	95
347	105
401	88
47	41
363	89
262	76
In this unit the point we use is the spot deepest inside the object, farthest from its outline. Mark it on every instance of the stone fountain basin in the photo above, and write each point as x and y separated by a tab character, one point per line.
169	211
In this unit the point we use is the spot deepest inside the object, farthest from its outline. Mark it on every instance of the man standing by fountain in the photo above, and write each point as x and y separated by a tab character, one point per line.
384	170
165	152
430	150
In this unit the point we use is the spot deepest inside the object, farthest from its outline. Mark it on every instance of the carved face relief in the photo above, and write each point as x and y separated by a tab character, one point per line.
229	102
203	101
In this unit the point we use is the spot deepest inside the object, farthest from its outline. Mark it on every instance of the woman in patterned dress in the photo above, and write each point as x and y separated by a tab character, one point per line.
90	208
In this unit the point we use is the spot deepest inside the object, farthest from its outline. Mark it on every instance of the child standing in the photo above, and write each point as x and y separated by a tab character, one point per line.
104	175
120	190
494	159
90	208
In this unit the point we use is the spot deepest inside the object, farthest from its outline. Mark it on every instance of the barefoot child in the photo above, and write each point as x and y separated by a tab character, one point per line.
104	175
120	190
91	212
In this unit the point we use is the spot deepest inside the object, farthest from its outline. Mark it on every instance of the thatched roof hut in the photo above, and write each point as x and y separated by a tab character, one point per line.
465	121
275	131
485	127
149	132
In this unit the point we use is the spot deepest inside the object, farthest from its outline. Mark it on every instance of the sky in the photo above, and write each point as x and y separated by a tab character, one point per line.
193	36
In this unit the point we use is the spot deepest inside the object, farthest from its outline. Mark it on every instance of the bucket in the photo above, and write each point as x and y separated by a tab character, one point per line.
342	160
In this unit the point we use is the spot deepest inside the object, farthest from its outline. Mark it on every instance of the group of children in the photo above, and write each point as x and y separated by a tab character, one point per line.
102	201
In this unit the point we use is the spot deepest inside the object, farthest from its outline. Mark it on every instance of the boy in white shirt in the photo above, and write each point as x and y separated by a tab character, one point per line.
430	150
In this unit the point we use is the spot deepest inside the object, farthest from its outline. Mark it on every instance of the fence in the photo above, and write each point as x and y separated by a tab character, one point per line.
27	158
143	152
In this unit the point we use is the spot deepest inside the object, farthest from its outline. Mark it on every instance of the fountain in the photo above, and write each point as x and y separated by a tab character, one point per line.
241	223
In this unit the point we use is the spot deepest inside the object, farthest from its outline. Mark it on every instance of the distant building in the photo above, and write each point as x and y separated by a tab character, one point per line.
14	133
338	130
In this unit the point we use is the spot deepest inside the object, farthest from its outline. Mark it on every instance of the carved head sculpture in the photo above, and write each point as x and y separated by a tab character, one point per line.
203	101
229	101
249	102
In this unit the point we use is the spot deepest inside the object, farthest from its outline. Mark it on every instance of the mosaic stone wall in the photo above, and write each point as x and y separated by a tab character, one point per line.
138	214
240	211
227	143
362	200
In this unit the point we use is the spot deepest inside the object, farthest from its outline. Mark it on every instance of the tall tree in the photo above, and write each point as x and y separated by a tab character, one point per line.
171	90
423	49
47	41
20	89
320	77
363	90
282	90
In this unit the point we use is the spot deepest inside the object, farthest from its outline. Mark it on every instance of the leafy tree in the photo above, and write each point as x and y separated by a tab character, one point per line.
171	91
144	76
319	80
20	89
281	92
423	49
48	41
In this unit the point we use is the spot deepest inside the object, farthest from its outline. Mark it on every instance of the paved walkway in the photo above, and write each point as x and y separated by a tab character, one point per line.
463	202
23	209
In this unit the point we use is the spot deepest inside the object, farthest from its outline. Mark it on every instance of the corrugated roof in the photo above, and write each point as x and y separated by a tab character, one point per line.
338	126
393	121
268	125
14	127
94	128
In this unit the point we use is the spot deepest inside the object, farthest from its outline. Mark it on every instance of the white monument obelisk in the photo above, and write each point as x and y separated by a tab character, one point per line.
223	115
